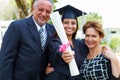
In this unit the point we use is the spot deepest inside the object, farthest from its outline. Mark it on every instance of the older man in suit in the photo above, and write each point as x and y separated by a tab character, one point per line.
22	55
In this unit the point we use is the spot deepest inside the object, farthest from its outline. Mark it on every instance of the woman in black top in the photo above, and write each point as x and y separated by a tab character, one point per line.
100	62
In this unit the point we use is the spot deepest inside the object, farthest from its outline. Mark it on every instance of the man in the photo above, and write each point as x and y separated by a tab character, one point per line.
22	55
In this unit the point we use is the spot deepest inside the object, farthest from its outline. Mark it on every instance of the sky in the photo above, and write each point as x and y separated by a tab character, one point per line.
108	9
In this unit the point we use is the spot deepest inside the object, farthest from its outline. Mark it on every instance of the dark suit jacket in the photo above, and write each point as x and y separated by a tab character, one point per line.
21	55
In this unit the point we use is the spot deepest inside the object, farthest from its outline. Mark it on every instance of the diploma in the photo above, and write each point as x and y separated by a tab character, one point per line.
56	19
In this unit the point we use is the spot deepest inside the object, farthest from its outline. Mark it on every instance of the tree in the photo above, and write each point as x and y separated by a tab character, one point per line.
22	8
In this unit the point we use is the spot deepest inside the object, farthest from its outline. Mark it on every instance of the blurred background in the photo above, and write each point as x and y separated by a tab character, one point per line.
104	11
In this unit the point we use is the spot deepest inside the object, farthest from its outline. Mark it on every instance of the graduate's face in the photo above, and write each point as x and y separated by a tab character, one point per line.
70	26
41	11
92	38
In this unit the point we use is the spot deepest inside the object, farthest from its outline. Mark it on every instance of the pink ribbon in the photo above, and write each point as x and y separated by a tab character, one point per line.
63	47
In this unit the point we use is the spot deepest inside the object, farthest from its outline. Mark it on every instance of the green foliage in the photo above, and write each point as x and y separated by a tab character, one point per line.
103	42
55	1
88	17
115	42
94	16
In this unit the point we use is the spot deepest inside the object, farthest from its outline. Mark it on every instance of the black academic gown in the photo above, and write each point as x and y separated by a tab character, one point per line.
61	69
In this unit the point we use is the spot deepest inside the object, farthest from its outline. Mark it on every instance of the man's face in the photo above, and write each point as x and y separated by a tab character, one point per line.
41	11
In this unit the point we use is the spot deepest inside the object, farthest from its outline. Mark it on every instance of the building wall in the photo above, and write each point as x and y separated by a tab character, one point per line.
109	32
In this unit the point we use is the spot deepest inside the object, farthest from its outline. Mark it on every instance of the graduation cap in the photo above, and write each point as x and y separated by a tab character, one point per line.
69	11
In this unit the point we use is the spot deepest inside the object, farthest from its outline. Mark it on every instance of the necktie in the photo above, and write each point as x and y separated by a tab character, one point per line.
42	38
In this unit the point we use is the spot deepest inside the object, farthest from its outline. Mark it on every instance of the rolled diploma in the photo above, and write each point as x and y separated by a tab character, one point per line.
56	19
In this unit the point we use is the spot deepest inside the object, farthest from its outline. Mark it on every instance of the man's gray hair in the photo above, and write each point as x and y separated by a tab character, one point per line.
34	3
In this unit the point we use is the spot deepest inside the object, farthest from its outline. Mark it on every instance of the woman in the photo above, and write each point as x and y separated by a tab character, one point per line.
70	23
100	62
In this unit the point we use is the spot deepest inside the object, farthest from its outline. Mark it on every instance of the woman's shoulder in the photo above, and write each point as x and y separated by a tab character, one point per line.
55	42
80	42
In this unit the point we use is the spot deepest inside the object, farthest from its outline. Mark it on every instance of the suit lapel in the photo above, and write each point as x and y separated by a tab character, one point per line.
33	31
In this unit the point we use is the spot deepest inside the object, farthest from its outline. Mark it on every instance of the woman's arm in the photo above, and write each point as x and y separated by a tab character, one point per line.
115	63
49	69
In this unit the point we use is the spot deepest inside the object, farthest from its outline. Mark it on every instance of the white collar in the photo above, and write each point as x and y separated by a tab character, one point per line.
38	27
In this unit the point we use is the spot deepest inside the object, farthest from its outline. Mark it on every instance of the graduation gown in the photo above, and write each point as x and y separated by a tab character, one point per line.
61	69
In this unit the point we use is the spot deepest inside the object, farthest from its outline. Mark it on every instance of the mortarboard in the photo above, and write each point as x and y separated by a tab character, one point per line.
69	11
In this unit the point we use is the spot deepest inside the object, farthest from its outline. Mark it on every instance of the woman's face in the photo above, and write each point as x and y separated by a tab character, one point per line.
70	26
92	38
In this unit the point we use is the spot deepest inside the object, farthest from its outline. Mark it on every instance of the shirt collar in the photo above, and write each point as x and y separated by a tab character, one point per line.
38	27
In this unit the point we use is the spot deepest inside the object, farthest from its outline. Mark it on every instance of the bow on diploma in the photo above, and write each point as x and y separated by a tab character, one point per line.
56	19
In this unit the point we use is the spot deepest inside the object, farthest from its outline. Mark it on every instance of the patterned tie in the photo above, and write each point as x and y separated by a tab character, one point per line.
42	38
